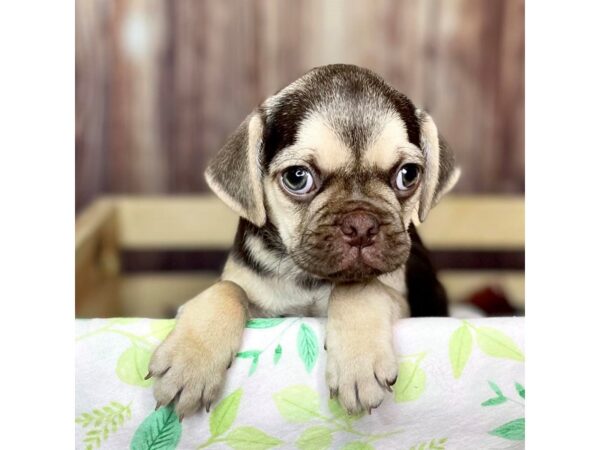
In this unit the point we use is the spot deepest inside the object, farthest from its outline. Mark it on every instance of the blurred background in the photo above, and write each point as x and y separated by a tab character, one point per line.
160	84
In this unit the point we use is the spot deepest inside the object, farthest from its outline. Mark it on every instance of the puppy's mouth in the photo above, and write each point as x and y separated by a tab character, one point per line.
357	250
359	264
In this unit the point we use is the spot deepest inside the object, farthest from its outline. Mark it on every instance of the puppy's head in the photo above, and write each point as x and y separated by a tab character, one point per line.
339	163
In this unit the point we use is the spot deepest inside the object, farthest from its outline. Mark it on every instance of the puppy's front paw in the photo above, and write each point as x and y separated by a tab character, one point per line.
360	373
189	371
189	366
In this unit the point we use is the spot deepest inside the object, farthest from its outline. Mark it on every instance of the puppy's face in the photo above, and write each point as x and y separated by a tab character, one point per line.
342	196
340	163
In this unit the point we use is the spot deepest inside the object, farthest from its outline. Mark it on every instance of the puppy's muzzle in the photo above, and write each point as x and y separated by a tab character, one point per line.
359	229
356	242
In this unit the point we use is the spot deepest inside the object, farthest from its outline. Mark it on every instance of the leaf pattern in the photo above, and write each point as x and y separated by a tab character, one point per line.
225	413
307	346
461	346
315	438
498	400
357	446
161	328
495	343
254	355
277	354
336	409
411	382
520	390
102	422
494	401
434	444
132	366
513	430
161	430
495	388
297	403
250	438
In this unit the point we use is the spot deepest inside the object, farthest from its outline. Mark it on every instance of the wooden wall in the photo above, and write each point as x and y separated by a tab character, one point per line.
161	83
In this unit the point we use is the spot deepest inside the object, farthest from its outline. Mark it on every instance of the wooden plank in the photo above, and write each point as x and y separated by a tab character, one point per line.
177	222
469	222
204	222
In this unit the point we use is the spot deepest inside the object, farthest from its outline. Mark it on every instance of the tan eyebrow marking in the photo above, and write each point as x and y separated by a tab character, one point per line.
316	140
383	152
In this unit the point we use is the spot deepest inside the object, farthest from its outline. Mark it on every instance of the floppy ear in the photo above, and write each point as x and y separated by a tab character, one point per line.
234	174
440	173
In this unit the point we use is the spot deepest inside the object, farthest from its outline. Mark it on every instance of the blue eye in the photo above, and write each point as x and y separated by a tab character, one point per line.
297	180
408	177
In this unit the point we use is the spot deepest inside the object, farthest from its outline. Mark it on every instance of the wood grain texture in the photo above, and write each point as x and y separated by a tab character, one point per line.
160	84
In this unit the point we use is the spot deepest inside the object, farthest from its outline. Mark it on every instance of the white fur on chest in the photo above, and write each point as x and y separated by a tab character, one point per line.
277	296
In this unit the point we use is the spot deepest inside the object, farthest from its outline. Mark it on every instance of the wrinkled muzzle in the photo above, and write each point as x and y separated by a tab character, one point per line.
353	243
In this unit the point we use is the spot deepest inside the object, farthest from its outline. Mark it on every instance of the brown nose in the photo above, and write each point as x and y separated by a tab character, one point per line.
359	228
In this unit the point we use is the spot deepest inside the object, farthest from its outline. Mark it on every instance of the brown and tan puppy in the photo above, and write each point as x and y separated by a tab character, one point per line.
328	176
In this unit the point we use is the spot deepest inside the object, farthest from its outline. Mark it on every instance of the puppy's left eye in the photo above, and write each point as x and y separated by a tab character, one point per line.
297	180
407	177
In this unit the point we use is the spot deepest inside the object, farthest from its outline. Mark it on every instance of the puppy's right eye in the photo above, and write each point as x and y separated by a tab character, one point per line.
407	178
297	180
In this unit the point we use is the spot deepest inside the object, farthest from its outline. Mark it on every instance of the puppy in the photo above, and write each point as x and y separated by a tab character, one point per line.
328	175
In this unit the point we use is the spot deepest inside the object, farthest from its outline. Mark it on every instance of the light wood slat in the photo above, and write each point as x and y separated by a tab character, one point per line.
177	222
472	222
204	222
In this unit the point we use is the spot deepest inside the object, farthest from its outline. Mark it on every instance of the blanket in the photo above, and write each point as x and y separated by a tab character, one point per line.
460	386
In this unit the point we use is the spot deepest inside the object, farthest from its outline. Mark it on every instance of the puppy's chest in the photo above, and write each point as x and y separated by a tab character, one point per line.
282	297
271	296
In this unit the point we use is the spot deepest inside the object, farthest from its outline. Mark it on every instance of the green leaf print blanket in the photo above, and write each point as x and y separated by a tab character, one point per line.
460	386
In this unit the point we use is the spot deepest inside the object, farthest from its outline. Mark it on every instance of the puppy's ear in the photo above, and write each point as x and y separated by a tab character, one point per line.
440	173
235	173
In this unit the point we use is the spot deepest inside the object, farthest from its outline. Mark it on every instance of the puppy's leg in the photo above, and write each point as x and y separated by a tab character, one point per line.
190	365
361	362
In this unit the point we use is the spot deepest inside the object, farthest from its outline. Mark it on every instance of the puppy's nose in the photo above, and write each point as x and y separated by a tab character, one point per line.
359	228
